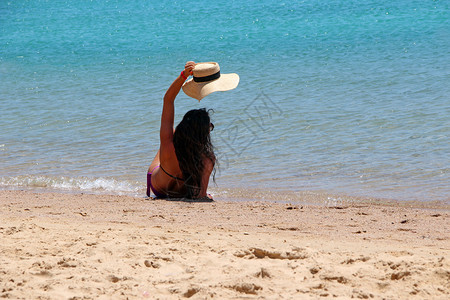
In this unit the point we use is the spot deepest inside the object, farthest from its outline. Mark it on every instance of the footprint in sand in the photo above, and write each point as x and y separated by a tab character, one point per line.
114	279
353	260
400	275
191	292
43	273
246	288
67	263
261	253
151	264
361	294
339	279
12	230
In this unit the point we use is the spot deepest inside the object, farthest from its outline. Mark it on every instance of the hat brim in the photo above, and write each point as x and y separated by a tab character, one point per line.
200	90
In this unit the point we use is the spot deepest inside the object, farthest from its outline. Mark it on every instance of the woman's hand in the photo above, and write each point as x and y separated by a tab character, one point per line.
188	67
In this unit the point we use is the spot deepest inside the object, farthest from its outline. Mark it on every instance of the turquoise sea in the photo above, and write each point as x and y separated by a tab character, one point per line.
343	98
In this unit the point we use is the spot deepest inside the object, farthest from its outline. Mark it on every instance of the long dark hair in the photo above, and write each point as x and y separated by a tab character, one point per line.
192	143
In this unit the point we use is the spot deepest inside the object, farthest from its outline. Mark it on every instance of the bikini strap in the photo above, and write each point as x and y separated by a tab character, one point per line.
170	175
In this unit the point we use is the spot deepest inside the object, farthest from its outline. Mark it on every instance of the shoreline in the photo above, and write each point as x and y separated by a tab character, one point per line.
315	198
77	246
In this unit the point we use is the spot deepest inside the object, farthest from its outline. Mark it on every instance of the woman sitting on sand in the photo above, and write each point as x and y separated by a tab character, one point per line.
185	159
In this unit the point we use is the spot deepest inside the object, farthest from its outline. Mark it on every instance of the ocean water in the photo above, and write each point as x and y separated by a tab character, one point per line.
347	98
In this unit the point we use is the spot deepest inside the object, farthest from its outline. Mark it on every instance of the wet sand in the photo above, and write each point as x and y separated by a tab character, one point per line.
64	246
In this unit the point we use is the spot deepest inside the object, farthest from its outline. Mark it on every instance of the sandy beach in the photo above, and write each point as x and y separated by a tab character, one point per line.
64	246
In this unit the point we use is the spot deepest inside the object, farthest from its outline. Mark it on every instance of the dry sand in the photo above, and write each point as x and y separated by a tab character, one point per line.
60	246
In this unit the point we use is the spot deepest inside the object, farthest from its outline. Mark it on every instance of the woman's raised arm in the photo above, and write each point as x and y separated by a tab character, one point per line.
168	112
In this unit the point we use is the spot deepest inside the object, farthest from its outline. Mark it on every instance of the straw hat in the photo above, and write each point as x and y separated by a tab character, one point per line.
207	79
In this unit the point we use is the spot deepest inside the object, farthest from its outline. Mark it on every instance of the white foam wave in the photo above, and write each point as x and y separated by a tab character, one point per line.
96	185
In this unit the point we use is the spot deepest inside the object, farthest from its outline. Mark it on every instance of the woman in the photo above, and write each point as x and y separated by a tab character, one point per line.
185	159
